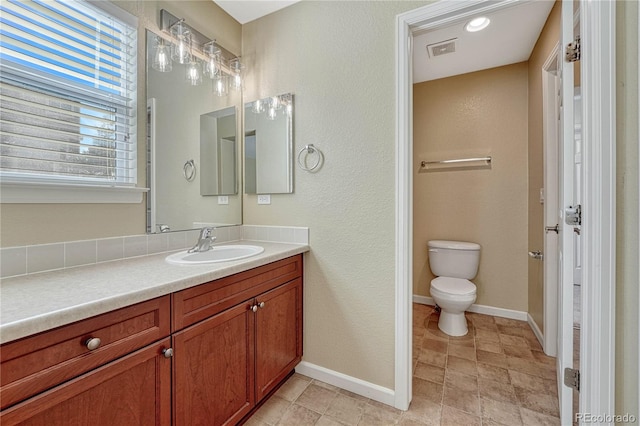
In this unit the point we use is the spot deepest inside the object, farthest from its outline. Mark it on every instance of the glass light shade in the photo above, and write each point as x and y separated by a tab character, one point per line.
181	48
161	56
194	73
236	74
212	65
220	85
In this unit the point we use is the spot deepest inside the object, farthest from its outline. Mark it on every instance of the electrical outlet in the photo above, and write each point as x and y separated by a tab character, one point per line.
223	199
264	199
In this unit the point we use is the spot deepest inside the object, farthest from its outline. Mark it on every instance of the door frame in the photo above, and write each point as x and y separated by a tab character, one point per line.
550	110
598	89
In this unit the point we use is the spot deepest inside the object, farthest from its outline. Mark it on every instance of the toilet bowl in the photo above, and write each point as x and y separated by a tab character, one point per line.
454	263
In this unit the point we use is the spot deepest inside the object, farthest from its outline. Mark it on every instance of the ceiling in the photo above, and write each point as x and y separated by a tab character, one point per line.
245	11
509	39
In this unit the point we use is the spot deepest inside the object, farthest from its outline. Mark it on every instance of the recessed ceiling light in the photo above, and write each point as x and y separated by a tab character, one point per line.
477	24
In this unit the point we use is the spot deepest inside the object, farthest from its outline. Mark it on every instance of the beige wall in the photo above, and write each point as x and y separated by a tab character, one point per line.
26	224
475	114
627	256
548	39
337	60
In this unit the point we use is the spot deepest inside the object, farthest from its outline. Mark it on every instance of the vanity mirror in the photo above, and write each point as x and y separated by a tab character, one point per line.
268	140
192	154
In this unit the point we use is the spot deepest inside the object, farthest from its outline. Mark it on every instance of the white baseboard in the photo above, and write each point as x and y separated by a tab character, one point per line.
352	384
480	309
536	330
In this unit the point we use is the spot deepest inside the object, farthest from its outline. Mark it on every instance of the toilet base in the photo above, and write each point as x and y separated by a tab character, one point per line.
453	324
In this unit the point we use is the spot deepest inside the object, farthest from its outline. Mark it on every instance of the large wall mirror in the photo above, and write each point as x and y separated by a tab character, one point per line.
268	139
193	157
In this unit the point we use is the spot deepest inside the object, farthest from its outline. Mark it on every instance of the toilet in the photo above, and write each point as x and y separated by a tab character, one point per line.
453	263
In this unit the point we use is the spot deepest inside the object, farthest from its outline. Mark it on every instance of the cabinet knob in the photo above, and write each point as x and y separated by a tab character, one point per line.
261	304
168	353
254	308
92	343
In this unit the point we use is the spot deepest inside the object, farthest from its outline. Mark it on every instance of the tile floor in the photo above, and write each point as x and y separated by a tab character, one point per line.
496	375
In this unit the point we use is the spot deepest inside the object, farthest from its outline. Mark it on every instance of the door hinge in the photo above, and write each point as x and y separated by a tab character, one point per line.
572	378
572	51
573	215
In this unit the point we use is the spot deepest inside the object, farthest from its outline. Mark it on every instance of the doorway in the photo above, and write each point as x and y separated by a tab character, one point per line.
598	165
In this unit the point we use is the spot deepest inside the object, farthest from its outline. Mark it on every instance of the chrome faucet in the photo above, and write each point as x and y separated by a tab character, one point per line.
204	241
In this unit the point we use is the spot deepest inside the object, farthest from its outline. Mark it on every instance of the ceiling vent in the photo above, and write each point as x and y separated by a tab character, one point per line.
441	47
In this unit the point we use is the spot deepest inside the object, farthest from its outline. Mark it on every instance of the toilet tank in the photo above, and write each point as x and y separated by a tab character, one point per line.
456	259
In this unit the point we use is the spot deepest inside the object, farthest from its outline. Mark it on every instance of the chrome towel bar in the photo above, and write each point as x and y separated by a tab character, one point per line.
456	161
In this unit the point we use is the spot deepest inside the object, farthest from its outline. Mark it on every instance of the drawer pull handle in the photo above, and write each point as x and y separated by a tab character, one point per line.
261	305
92	343
254	308
168	353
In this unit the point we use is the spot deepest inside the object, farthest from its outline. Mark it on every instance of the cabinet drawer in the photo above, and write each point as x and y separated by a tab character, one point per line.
132	390
36	363
197	303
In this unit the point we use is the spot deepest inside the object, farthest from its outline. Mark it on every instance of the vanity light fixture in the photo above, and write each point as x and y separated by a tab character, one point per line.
199	54
477	24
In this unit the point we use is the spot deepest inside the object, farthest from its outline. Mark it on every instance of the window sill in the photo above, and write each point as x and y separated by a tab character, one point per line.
58	193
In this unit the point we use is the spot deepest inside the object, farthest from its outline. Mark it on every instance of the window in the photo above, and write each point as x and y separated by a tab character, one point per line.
68	94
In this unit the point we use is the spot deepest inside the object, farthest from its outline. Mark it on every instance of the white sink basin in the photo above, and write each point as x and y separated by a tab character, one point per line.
216	254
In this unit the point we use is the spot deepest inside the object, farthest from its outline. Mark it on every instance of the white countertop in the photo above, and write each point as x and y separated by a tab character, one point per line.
34	303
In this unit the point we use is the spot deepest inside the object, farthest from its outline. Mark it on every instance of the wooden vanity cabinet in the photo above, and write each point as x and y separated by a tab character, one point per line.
225	364
205	355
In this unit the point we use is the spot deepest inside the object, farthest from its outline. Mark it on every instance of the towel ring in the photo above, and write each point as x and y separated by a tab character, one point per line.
189	170
310	149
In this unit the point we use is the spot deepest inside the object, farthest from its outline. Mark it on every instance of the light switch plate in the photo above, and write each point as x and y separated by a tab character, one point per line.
264	199
223	199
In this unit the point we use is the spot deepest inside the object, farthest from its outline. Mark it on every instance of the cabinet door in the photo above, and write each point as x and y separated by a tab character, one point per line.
214	369
133	390
278	335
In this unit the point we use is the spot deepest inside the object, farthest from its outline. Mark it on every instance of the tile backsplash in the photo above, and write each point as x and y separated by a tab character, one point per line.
47	257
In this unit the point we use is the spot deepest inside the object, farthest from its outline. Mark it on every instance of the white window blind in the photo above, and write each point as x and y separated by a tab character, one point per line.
67	93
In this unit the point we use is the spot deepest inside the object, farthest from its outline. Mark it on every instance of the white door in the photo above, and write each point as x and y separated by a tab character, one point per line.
567	197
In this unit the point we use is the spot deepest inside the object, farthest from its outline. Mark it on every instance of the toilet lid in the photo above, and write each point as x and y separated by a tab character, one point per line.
450	285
